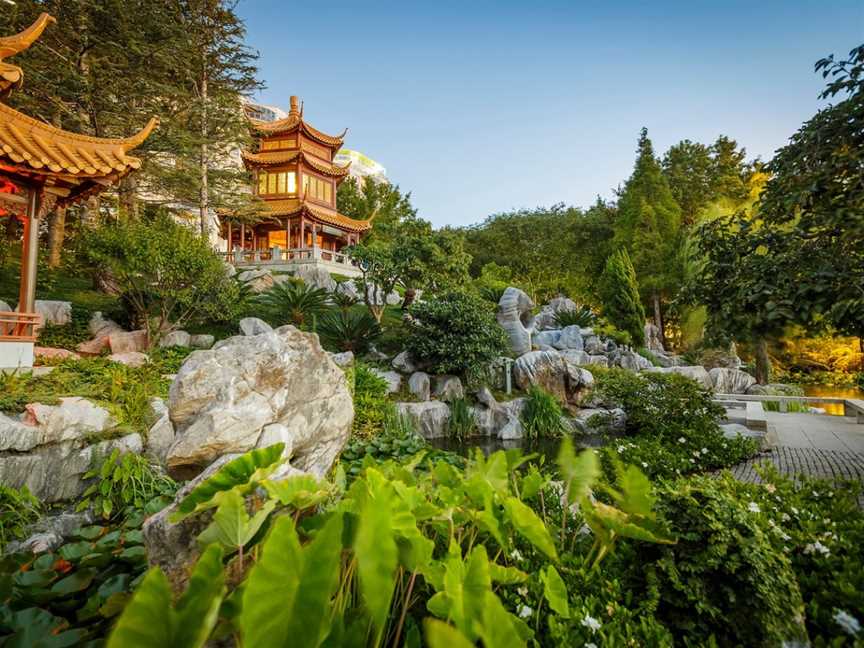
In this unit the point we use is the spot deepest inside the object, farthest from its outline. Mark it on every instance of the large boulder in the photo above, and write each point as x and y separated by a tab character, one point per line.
130	358
258	279
592	420
546	317
256	390
554	372
254	326
632	361
514	316
316	276
570	338
53	312
161	434
498	420
404	363
201	341
419	385
431	418
393	379
51	353
349	289
51	447
176	339
694	372
592	344
448	388
124	342
730	381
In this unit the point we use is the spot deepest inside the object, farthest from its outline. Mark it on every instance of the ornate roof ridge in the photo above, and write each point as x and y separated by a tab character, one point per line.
281	157
293	206
12	75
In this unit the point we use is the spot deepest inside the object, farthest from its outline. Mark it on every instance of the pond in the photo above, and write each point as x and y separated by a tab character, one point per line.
830	391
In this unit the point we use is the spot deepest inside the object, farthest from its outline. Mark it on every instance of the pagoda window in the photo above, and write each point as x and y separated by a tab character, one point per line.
275	145
277	182
317	189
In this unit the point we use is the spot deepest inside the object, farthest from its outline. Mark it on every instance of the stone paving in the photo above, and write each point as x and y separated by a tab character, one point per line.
817	445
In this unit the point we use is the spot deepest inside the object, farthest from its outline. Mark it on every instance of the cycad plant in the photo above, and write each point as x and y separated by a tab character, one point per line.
293	302
581	316
348	330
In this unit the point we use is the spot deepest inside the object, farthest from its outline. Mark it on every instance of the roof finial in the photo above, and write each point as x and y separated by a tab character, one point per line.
295	110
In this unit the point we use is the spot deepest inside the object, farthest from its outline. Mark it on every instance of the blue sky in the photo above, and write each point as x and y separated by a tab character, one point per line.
483	107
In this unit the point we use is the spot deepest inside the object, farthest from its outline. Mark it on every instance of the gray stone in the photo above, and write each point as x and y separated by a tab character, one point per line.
404	363
731	381
349	289
775	389
101	326
554	372
735	430
130	358
49	532
54	312
498	420
344	359
577	357
254	326
258	279
653	340
548	338
5	308
418	385
667	359
514	316
430	418
176	338
448	388
375	355
570	338
224	397
593	345
161	434
593	420
316	276
73	419
201	341
124	342
600	360
36	544
633	361
546	317
394	379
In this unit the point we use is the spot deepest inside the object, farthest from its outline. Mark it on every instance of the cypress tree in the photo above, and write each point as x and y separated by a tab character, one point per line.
619	295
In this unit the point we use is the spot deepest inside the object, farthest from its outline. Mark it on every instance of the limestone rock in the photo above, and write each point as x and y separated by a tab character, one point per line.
161	434
555	373
404	363
593	345
431	418
100	326
694	372
130	358
223	398
498	420
514	316
316	276
50	353
254	326
547	338
448	388
394	380
73	419
731	381
54	312
176	339
546	317
418	385
344	359
633	361
5	308
600	360
596	420
201	341
349	289
570	338
653	341
258	279
123	342
667	359
775	389
93	347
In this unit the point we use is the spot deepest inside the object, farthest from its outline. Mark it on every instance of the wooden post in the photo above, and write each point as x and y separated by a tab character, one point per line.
243	236
302	233
29	252
287	236
230	235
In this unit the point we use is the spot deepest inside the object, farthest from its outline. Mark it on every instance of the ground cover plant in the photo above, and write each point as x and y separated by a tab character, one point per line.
18	509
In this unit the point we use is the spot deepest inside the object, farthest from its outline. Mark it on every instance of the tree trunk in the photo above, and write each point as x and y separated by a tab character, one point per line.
128	194
56	234
410	296
658	318
203	205
763	362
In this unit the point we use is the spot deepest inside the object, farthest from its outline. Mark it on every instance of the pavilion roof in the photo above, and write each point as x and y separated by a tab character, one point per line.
292	207
69	165
11	75
294	121
269	158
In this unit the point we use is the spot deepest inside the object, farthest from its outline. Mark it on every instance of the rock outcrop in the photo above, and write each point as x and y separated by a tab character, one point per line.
259	389
175	339
448	388
419	385
554	372
731	381
431	418
546	317
514	316
316	276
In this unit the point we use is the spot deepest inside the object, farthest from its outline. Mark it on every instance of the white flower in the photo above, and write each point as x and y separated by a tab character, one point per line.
515	555
724	445
692	460
704	450
591	623
682	440
522	591
815	494
817	547
621	449
590	645
584	530
794	510
785	517
848	622
753	507
525	612
644	464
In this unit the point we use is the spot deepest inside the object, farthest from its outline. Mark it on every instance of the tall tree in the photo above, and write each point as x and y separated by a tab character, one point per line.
649	227
620	299
688	168
379	201
728	170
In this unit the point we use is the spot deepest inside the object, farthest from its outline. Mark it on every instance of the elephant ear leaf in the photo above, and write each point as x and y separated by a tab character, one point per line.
198	609
443	635
530	526
243	473
146	621
579	471
555	591
232	528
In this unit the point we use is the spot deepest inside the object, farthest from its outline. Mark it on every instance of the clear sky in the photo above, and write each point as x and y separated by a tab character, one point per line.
482	107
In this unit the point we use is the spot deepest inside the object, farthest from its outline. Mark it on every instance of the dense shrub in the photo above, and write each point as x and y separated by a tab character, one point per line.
619	294
293	302
348	330
166	272
371	405
67	336
455	332
18	509
672	423
542	415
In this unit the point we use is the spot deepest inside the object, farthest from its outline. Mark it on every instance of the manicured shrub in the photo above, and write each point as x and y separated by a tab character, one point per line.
293	302
619	294
455	332
348	330
541	416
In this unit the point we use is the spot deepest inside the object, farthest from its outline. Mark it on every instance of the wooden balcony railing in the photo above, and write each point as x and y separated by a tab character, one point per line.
18	327
276	255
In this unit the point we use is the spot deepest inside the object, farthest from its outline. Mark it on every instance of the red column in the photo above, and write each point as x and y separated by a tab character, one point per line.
29	252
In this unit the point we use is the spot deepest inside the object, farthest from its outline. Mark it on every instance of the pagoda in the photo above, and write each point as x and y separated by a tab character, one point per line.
295	178
42	167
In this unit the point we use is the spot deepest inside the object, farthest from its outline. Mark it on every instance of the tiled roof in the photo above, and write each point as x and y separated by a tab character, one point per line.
291	207
267	158
295	121
12	75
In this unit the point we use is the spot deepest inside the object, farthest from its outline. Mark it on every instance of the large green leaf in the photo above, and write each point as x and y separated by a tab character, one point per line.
500	629
38	628
198	609
232	527
464	587
579	472
146	621
299	491
635	496
530	526
244	472
375	548
555	591
443	635
288	592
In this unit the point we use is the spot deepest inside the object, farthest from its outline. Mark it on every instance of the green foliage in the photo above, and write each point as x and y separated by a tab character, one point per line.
672	423
542	416
293	302
67	336
168	273
455	332
371	405
582	316
462	425
122	480
18	509
619	294
348	330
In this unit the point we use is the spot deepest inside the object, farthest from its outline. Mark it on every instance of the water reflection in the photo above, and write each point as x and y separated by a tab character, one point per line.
827	391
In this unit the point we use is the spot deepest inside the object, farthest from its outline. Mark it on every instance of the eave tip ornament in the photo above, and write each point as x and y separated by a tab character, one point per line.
11	76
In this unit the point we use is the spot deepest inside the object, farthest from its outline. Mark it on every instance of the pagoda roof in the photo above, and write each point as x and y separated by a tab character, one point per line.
294	121
270	158
11	75
293	207
71	166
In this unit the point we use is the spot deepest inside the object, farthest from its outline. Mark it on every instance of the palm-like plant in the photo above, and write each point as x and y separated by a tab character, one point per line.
581	316
293	302
348	330
342	301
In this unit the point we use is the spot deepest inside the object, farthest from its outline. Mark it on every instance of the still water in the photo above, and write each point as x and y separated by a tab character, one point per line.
836	409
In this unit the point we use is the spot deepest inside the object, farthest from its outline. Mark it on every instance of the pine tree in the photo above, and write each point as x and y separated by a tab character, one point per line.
619	296
649	227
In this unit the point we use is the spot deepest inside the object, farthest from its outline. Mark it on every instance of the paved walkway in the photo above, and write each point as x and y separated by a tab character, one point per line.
817	445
